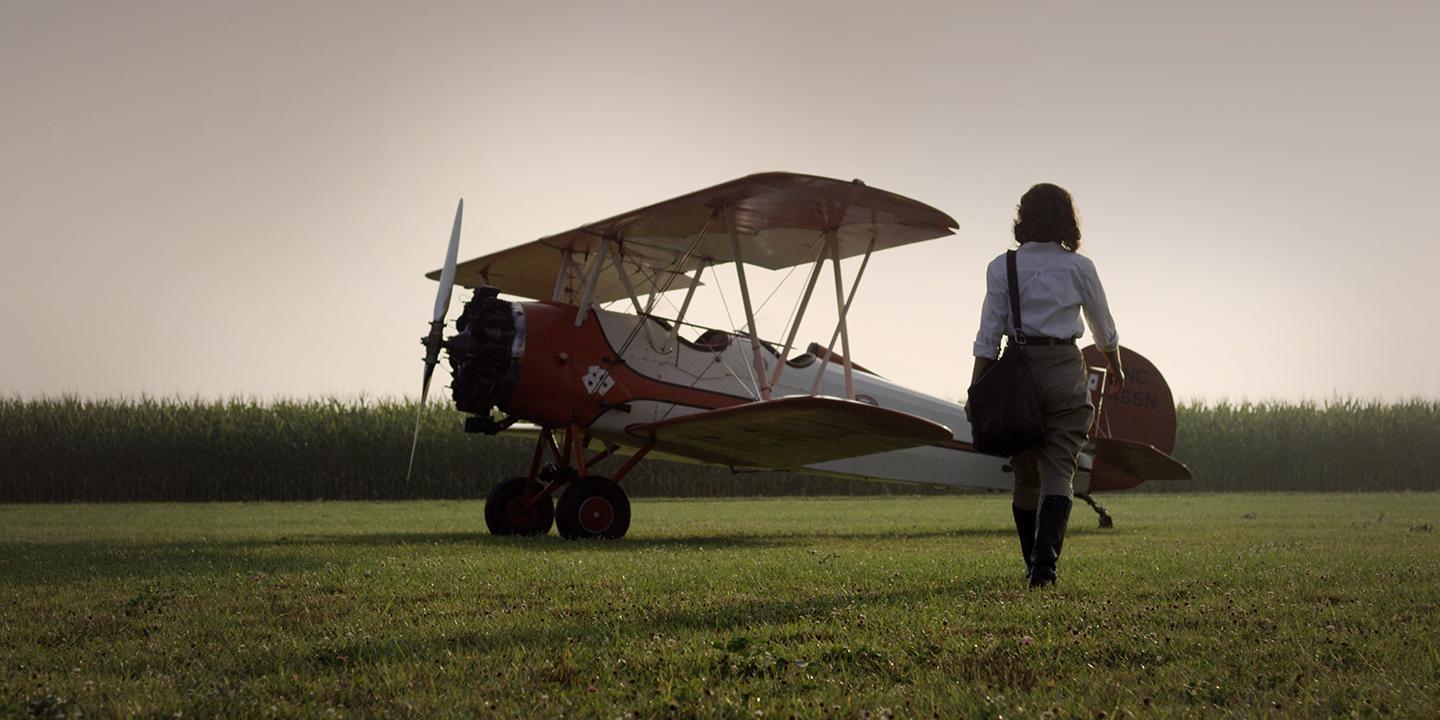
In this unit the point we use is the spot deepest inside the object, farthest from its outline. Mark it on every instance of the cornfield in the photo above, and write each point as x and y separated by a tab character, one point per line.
69	449
1341	445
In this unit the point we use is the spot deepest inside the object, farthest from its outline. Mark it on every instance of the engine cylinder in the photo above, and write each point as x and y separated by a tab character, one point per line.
484	357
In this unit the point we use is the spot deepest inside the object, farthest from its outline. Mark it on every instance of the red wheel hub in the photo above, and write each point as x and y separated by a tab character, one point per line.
596	515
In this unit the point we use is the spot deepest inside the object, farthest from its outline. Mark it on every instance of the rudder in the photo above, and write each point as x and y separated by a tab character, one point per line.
1141	418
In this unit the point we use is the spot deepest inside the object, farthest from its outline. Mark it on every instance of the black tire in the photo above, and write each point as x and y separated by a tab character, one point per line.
592	507
506	514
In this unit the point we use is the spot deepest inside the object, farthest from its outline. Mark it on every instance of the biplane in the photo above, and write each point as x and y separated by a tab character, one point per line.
586	383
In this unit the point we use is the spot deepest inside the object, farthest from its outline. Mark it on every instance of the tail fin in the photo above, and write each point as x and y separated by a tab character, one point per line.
1134	430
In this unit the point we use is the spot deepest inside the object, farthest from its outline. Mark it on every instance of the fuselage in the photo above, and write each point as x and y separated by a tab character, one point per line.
614	371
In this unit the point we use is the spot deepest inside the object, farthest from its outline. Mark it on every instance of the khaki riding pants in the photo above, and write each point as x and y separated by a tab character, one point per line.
1063	385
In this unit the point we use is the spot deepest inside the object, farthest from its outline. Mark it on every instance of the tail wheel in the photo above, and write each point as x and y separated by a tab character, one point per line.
593	507
507	513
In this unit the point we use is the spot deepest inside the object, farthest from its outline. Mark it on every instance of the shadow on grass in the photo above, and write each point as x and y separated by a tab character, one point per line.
737	618
29	563
553	542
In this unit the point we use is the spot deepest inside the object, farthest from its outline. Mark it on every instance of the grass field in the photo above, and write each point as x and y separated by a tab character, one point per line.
1195	605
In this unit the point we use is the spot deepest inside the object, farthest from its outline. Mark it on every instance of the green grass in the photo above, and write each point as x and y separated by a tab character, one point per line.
1241	605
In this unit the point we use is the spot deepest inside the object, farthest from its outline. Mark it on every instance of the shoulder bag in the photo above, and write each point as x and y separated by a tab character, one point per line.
1005	415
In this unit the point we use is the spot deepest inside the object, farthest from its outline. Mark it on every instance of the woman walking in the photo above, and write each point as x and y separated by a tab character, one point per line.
1056	286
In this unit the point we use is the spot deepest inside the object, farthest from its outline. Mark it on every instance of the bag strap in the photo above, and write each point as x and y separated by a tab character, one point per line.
1019	335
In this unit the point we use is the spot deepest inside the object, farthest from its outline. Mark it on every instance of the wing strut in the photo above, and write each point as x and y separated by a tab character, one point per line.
843	304
590	281
756	356
685	306
804	303
643	312
562	278
654	296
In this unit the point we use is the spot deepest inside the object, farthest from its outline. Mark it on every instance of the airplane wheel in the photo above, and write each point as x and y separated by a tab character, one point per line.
592	507
506	513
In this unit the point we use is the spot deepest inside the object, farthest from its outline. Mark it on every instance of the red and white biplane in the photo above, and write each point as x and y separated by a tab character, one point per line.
588	383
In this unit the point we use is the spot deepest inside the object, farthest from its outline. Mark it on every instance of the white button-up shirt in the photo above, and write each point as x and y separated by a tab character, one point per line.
1055	286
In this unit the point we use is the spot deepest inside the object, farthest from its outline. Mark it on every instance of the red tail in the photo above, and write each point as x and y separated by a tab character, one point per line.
1134	431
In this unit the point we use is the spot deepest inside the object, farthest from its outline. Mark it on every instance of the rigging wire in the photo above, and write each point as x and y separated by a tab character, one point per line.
659	292
695	379
755	394
795	308
679	270
781	284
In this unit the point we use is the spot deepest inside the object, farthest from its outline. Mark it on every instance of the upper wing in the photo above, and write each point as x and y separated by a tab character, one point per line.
790	432
778	220
529	271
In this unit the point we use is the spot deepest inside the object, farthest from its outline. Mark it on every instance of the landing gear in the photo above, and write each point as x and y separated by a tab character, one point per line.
1105	520
513	508
593	507
590	506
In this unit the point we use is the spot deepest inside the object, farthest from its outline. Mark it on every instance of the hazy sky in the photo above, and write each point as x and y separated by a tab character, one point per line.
243	197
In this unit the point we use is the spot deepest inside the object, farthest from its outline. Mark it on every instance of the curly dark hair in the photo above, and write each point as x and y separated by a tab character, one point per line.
1047	214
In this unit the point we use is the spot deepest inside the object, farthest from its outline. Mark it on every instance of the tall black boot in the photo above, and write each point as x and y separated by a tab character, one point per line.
1050	524
1025	527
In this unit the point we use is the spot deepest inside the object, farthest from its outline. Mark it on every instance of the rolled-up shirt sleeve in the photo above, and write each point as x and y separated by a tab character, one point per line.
1096	309
994	313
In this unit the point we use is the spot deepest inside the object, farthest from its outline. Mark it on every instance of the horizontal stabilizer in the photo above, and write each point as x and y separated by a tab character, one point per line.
790	432
1122	464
